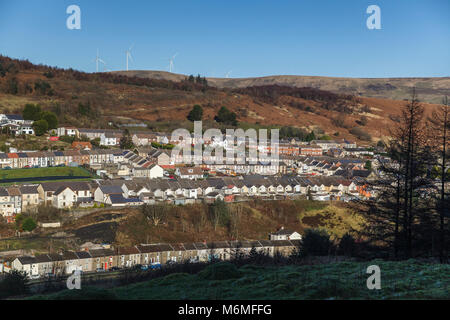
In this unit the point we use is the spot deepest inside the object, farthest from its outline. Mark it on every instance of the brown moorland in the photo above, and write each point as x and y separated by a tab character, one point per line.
114	97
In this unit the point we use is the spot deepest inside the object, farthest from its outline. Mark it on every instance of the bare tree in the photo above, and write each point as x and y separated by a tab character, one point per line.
401	213
156	214
440	126
235	218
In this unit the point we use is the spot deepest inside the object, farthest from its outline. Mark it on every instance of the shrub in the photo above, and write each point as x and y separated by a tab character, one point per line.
67	139
29	224
40	127
347	245
31	112
360	134
12	86
316	242
363	121
51	119
14	283
340	121
325	137
226	116
48	214
43	87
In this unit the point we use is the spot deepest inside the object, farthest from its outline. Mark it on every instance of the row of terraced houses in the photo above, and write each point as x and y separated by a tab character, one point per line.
146	254
139	191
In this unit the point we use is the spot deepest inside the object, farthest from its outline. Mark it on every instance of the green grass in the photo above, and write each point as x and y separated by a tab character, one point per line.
39	245
346	280
40	173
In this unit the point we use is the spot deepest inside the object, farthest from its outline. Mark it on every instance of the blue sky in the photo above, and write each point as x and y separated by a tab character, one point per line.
248	37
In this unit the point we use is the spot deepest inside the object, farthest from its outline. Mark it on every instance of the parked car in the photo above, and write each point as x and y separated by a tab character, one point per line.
144	267
114	269
35	276
155	266
100	270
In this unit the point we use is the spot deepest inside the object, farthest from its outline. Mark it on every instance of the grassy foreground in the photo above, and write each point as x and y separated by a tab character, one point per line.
42	173
345	280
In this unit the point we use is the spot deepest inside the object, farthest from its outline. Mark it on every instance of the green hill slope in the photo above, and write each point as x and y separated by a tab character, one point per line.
345	280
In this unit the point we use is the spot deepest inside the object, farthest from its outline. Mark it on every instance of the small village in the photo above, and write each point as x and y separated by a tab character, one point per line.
149	173
319	170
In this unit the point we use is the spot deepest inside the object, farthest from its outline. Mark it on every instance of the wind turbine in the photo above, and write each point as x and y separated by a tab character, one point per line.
128	52
97	60
171	62
228	74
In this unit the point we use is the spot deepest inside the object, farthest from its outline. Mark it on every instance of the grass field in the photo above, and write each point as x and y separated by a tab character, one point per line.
42	173
345	280
38	244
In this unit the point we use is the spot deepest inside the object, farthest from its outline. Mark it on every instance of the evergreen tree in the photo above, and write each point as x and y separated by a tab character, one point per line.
51	119
40	127
196	113
31	112
226	116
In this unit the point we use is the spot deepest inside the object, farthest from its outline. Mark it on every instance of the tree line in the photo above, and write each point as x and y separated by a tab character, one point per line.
410	214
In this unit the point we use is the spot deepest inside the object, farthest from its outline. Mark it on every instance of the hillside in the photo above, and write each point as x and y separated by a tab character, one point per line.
193	223
190	223
94	100
345	280
430	89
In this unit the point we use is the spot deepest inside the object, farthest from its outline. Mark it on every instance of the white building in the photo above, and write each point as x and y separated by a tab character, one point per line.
284	234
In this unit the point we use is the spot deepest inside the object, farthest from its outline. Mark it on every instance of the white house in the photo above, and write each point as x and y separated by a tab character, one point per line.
64	197
27	128
110	139
25	264
192	173
284	234
152	172
102	193
67	131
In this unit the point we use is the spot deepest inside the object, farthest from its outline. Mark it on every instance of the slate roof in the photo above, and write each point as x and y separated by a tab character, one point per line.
83	254
112	189
26	260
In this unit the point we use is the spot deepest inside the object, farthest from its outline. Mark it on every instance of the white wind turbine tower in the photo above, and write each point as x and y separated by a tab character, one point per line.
171	62
129	56
97	60
228	74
